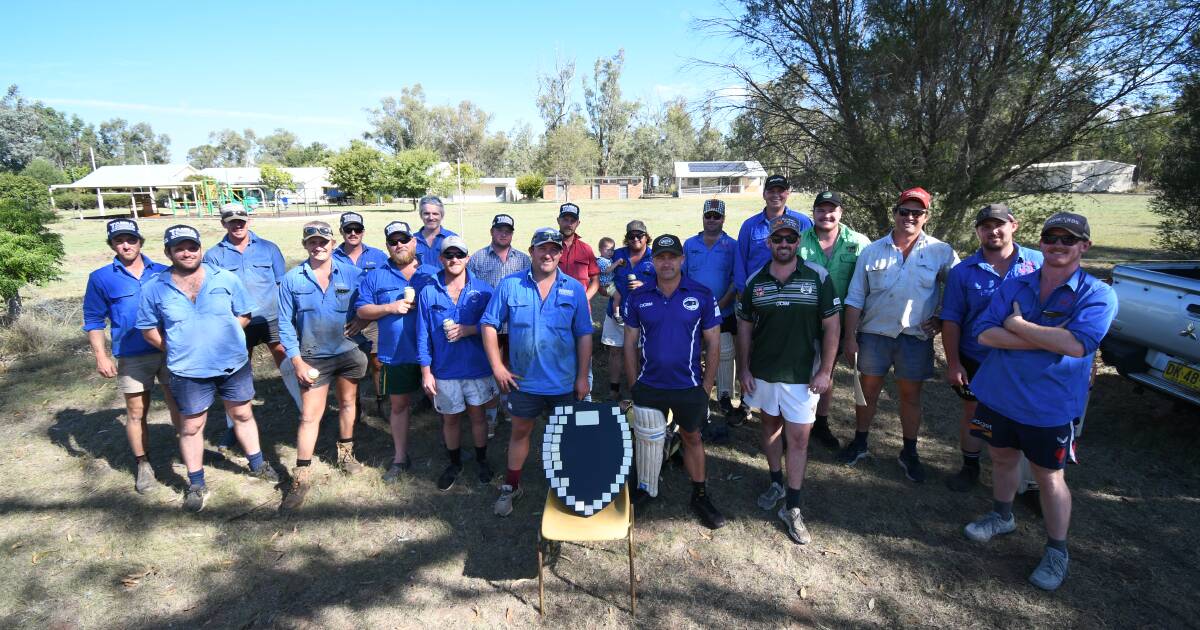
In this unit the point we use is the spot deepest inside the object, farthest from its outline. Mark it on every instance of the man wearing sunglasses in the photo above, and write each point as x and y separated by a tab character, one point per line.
316	322
752	251
633	267
1043	329
388	295
353	251
891	320
429	237
969	288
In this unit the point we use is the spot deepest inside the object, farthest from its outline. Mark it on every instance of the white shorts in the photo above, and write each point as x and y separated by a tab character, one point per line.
453	395
613	333
794	402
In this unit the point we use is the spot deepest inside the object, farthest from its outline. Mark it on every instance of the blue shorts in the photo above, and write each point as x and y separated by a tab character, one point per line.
530	406
1049	447
912	357
195	395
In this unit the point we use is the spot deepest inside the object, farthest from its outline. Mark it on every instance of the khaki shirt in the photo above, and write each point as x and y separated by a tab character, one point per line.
894	294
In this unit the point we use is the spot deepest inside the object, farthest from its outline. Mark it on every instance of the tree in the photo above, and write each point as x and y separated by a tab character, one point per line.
458	133
531	185
1178	200
522	152
273	148
45	172
554	94
569	153
492	155
30	253
358	170
225	148
122	143
315	154
873	96
446	182
411	174
608	114
275	178
401	124
18	131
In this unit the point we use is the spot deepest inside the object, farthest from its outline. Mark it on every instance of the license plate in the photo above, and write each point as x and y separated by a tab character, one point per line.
1182	374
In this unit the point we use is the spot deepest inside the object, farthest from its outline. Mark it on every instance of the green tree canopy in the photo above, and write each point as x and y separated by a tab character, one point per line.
1178	199
531	185
275	178
45	172
358	170
410	174
30	253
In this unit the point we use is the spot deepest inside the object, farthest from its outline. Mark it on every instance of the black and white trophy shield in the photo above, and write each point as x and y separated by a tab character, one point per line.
587	451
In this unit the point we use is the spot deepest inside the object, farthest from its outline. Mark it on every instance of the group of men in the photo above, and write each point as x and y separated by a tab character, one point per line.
472	332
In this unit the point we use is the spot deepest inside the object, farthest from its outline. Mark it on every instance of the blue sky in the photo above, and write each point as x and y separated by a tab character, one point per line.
312	67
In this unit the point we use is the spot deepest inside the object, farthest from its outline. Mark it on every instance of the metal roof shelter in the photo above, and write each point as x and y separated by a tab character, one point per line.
1077	176
133	180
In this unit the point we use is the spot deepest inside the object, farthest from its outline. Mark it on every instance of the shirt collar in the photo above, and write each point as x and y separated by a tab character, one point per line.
252	238
1034	279
117	265
978	259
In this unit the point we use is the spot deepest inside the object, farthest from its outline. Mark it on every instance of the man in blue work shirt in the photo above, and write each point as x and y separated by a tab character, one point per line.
196	313
353	251
315	321
1043	329
429	237
632	268
454	368
259	264
549	348
752	250
708	259
969	287
388	295
674	319
113	295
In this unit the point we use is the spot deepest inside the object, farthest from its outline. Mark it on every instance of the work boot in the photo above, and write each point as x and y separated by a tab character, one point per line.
145	478
708	514
265	473
964	480
823	436
346	460
301	484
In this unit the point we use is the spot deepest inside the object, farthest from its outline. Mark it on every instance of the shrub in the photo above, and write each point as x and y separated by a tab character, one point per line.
531	185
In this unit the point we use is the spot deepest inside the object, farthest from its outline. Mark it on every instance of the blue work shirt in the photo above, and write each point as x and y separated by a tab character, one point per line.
204	338
459	359
113	296
1037	387
752	250
969	289
541	334
312	322
672	332
644	270
369	259
427	255
711	266
260	268
397	333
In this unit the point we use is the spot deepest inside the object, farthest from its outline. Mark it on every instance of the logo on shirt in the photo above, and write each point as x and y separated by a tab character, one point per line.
567	292
806	289
759	291
691	303
645	304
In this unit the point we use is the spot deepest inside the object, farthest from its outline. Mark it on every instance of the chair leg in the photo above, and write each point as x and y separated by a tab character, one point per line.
632	577
541	589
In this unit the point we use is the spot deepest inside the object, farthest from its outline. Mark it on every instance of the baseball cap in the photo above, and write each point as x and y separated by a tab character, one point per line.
396	227
777	181
827	196
785	222
311	231
916	194
351	218
546	235
667	243
996	211
568	208
177	234
503	219
117	227
636	226
232	211
455	242
714	205
1076	224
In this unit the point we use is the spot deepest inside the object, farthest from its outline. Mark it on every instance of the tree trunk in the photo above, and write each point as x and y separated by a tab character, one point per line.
14	308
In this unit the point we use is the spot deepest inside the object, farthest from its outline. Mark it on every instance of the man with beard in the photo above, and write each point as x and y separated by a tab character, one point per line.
578	260
969	288
196	313
633	268
752	251
431	234
891	320
388	295
113	294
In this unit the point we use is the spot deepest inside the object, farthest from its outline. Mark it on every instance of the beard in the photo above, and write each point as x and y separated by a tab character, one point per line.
404	257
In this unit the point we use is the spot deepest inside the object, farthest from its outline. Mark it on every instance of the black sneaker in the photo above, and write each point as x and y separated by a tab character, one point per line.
966	478
736	417
446	481
193	499
485	473
853	453
265	473
823	436
912	466
707	512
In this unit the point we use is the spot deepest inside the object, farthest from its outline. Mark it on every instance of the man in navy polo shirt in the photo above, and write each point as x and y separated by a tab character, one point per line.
353	251
454	367
969	287
388	296
752	250
1043	329
549	348
429	237
675	319
113	295
632	268
196	313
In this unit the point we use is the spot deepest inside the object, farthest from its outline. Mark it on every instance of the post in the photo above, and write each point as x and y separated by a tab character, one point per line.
99	197
458	172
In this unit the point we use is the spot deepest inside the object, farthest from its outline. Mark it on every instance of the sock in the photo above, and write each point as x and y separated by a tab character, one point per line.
196	478
1060	545
301	463
256	461
512	478
793	498
455	455
860	438
141	458
699	489
910	446
822	421
971	459
481	455
777	476
348	440
1003	508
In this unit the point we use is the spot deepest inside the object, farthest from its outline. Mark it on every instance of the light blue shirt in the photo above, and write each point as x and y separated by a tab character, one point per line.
711	266
397	333
447	359
894	293
113	295
427	255
204	338
752	250
260	268
312	322
369	259
969	288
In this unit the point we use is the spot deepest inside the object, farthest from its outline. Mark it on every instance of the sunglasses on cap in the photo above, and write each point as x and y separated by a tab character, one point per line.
636	235
1065	239
317	230
452	254
399	240
791	239
908	212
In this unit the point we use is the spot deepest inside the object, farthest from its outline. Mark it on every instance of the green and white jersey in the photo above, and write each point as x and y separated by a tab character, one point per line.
786	341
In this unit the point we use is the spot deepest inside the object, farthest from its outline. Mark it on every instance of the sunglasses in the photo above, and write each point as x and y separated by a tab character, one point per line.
713	216
791	239
635	235
453	254
1065	239
317	230
352	230
906	212
399	240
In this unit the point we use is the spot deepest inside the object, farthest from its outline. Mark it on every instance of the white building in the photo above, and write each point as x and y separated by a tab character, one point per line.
1077	176
486	190
312	182
712	178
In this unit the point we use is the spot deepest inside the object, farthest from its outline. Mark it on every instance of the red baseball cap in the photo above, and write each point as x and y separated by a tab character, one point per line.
918	194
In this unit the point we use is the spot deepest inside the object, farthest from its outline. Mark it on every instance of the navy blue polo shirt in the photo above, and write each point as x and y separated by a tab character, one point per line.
311	321
397	333
711	266
644	270
427	255
672	332
459	359
260	268
541	333
752	250
369	259
969	289
113	294
1037	387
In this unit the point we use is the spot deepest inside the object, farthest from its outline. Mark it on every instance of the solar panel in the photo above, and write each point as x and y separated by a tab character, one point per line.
715	167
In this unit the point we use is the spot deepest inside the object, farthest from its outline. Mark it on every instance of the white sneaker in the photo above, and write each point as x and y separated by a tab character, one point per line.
508	496
989	525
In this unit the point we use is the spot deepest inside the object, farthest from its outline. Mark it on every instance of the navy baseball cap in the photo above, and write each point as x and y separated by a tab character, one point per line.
503	219
117	227
827	196
350	218
1076	224
667	244
546	235
777	181
177	234
396	227
568	208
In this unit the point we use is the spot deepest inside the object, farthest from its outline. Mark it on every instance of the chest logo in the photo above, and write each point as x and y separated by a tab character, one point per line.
691	303
806	289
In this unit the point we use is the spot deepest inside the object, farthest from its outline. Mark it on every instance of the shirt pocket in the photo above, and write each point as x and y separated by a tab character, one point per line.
341	295
881	274
520	315
560	317
218	301
122	295
306	299
927	273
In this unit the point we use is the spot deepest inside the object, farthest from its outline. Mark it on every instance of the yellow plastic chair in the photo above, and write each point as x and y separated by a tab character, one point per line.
614	522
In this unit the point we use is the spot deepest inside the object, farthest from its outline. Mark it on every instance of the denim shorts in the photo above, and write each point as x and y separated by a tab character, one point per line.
195	395
530	406
912	357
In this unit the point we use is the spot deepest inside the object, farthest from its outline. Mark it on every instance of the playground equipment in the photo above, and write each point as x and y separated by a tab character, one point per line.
208	195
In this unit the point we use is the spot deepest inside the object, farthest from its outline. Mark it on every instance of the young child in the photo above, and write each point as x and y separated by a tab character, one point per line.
604	261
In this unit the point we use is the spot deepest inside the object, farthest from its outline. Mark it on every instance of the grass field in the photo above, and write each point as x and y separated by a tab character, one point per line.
81	549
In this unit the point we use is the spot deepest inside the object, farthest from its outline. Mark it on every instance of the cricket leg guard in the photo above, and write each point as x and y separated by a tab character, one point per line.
287	374
650	431
1027	479
725	367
